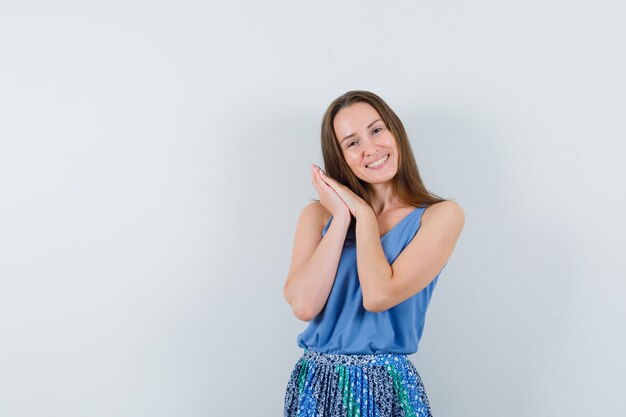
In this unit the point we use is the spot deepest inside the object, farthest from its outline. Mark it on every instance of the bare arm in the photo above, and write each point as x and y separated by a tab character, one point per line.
314	261
384	285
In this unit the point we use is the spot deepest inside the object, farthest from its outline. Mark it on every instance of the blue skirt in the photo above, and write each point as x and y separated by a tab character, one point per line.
341	385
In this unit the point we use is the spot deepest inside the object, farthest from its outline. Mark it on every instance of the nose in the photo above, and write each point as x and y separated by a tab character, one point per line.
371	147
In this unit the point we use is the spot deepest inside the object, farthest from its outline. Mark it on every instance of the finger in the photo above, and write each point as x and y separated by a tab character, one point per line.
315	173
336	185
319	183
314	179
325	185
327	179
318	174
322	173
316	182
322	180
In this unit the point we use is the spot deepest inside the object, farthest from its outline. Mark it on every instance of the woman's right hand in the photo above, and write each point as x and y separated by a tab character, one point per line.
328	197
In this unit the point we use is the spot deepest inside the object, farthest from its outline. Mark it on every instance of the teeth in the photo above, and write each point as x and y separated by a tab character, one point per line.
377	163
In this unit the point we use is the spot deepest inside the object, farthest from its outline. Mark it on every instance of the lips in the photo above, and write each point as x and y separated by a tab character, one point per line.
380	161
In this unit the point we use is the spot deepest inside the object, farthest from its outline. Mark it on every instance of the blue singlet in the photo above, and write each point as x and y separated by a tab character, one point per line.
344	326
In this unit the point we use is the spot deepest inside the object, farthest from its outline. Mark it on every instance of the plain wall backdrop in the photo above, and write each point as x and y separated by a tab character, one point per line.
154	159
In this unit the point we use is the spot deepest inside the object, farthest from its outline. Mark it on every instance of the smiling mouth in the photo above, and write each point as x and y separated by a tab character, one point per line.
379	163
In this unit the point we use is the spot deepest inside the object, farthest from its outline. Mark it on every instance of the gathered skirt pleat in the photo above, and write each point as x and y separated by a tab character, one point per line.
341	385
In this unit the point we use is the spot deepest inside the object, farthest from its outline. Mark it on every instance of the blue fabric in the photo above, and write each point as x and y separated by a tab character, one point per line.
344	326
338	385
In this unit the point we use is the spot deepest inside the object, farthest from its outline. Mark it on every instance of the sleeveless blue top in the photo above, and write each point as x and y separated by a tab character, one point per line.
344	326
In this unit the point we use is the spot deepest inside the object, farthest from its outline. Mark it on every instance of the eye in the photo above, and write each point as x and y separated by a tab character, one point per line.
376	130
350	144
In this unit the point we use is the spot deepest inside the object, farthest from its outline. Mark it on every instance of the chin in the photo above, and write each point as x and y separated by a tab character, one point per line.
378	180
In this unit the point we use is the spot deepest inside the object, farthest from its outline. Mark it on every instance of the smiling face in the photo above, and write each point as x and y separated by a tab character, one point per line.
367	144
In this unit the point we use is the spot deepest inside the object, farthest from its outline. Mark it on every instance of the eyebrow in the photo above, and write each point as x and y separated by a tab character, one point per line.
354	134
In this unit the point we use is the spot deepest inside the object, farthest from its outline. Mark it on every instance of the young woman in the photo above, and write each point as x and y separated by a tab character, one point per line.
366	259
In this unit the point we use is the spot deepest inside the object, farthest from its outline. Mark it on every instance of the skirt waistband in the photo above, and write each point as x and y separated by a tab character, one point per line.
375	359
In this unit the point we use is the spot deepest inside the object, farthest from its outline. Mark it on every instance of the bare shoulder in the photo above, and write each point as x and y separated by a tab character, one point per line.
447	212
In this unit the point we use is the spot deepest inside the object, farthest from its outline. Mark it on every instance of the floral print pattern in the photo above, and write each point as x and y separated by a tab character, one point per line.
367	385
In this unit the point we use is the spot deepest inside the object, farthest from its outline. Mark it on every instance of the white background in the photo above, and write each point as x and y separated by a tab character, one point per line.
154	159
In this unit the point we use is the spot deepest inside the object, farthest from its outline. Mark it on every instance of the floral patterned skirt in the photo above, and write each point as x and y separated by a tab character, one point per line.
341	385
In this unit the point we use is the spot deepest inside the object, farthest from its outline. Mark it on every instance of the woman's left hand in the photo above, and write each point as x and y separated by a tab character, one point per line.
353	201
